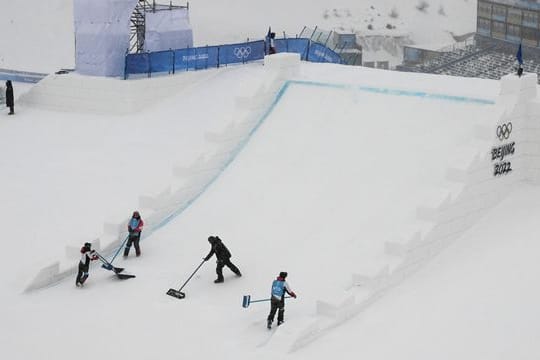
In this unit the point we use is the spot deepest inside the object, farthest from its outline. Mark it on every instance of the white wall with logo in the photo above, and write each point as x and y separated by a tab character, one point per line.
511	159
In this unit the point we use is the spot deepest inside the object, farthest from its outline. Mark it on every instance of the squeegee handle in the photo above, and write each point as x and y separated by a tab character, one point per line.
254	301
189	278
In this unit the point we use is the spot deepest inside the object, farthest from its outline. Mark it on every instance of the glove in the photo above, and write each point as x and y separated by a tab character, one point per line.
293	295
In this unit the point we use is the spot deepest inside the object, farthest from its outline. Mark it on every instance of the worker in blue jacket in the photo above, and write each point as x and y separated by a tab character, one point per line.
280	287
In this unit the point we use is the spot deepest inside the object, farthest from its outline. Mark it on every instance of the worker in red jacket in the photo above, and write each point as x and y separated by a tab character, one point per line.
135	226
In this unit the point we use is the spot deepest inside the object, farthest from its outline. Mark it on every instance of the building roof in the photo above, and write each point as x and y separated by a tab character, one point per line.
524	4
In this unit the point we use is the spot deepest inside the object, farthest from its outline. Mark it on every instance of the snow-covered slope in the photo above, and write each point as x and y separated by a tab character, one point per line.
330	174
321	175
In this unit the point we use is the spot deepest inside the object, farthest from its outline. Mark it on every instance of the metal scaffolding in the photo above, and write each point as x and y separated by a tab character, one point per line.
138	20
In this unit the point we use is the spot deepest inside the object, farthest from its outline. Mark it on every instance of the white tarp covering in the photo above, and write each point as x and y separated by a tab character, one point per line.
168	29
102	35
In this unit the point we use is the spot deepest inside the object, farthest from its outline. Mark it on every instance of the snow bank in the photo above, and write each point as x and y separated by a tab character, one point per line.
513	158
99	95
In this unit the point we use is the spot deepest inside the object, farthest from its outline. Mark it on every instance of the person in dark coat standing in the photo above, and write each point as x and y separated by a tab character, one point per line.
272	47
87	255
135	226
277	302
10	101
223	256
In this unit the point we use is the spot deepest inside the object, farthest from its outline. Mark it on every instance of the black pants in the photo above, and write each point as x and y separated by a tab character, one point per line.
82	275
134	239
275	305
225	262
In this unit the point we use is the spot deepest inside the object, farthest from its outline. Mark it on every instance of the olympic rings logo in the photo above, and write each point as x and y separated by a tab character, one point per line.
242	52
504	131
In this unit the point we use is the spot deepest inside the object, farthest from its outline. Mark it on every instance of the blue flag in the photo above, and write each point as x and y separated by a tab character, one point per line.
519	55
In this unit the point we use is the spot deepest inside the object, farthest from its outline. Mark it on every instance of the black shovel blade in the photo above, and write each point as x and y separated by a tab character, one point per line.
175	293
117	270
124	276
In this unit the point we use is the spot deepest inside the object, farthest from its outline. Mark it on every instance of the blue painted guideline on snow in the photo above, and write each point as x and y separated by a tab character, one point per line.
396	92
279	96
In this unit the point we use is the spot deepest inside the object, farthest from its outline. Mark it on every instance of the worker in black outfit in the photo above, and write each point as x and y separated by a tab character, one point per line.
223	256
87	255
10	102
272	47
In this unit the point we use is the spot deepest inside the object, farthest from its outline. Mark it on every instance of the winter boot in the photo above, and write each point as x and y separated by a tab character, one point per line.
238	273
218	280
83	279
269	324
280	322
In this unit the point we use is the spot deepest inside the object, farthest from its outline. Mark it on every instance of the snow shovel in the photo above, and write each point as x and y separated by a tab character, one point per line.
177	293
247	300
107	265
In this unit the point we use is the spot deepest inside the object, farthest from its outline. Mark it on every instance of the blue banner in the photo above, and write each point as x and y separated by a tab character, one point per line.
138	63
299	46
196	58
171	61
321	54
241	53
161	61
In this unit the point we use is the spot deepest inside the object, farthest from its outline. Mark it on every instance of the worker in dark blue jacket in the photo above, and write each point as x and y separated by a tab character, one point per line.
280	287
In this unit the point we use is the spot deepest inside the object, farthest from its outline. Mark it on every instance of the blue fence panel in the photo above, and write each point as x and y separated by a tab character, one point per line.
241	53
161	61
320	53
137	63
299	46
196	58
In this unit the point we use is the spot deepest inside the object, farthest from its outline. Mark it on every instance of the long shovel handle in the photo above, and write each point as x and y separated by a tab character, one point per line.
189	278
119	249
103	260
252	301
